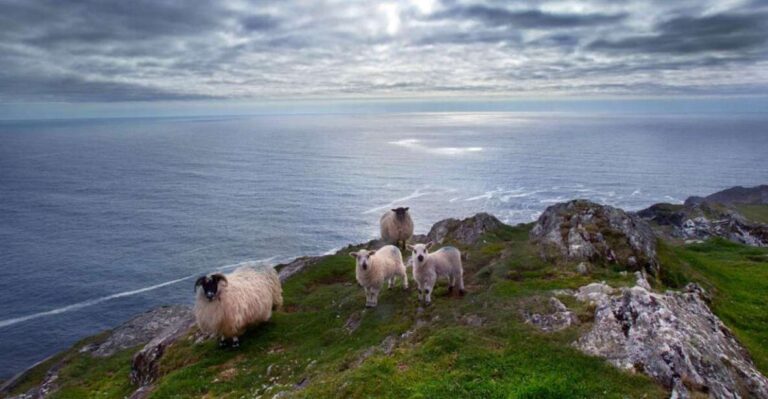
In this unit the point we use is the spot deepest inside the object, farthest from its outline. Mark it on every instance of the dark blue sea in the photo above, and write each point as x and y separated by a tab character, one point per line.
102	219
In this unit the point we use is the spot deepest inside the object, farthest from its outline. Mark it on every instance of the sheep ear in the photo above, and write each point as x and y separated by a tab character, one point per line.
199	282
353	254
371	253
429	244
407	208
409	246
394	210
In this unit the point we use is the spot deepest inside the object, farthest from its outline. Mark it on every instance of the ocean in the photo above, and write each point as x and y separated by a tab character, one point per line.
101	219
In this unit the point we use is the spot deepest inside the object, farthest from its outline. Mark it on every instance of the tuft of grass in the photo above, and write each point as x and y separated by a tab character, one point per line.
737	276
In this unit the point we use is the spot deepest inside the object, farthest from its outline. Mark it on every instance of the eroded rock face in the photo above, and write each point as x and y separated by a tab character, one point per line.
674	338
581	230
145	362
466	231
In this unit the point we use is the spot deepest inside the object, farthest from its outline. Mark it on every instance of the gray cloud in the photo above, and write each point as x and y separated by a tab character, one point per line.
498	16
147	50
684	35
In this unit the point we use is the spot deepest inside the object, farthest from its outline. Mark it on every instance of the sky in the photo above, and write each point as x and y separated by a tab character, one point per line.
60	57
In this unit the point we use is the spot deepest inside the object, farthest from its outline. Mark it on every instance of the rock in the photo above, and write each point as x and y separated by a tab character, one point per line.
700	220
140	329
145	362
353	322
466	231
642	281
583	268
557	318
674	338
472	320
297	265
595	293
581	230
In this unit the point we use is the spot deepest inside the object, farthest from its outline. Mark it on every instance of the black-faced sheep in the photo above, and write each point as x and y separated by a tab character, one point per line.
428	267
375	267
396	227
226	305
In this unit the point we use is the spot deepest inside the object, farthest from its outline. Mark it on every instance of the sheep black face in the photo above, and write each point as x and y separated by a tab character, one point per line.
363	258
210	285
420	251
400	212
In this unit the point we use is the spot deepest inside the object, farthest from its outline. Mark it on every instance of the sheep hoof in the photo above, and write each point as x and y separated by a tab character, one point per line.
462	292
450	290
222	343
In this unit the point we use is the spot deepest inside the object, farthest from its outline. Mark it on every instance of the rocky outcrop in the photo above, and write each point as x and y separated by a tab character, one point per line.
701	219
466	231
297	265
141	329
144	364
672	337
581	230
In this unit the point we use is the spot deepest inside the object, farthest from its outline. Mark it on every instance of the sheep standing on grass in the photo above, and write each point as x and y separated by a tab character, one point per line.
226	305
375	267
396	227
428	267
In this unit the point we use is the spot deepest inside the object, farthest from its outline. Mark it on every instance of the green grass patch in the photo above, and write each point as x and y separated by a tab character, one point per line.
756	213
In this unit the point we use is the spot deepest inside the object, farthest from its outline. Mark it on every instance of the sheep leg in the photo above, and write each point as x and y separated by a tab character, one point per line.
427	296
389	283
405	280
418	288
374	297
235	342
222	342
367	297
461	285
451	282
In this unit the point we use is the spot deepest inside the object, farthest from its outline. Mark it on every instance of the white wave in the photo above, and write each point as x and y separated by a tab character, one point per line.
331	251
454	199
487	195
96	301
413	195
636	192
416	145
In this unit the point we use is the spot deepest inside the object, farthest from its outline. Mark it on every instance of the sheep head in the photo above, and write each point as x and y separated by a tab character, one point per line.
362	258
420	251
211	285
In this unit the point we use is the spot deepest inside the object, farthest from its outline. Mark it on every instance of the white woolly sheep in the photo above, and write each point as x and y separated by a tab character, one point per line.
375	267
226	305
396	227
428	267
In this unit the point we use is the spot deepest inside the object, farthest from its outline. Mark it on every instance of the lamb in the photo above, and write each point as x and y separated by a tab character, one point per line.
396	227
428	267
226	305
375	267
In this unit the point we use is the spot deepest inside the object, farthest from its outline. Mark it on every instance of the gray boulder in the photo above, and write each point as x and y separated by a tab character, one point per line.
466	231
582	230
145	362
674	338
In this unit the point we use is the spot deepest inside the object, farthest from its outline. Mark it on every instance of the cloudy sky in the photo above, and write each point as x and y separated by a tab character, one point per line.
98	51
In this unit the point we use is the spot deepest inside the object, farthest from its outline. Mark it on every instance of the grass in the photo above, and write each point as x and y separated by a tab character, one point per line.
737	276
757	213
437	353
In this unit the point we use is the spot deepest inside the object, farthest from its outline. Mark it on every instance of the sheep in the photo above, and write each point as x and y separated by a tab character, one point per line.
226	305
428	267
375	267
396	227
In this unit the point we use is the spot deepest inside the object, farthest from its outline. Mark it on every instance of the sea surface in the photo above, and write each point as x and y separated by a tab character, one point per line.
102	219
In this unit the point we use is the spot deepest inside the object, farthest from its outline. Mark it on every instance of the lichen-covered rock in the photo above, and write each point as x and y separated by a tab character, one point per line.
581	230
466	231
595	293
674	338
140	329
556	317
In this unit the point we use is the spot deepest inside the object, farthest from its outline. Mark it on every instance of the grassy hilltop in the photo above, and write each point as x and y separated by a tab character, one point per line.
325	344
